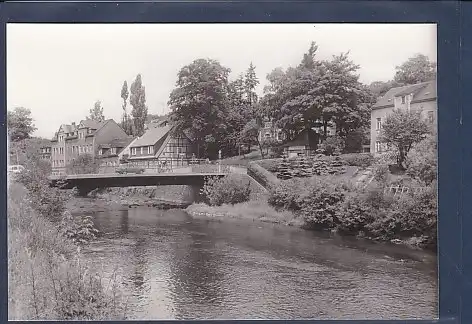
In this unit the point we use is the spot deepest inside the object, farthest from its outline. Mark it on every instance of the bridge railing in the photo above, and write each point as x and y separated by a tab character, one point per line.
190	168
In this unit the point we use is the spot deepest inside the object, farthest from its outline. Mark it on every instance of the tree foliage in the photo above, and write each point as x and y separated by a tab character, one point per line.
317	93
138	102
250	135
20	124
126	121
96	113
422	161
415	70
83	164
401	130
199	103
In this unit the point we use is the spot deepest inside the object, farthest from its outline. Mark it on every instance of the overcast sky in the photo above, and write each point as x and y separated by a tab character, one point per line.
59	71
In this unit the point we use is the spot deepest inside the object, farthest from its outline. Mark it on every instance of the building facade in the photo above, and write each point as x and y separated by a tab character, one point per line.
269	131
72	140
161	146
421	97
110	154
45	153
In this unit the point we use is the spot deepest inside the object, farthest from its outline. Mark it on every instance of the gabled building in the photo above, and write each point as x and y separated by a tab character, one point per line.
269	131
420	97
72	140
45	153
110	154
161	145
304	144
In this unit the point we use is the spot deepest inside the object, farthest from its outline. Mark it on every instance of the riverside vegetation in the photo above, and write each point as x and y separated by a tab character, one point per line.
47	277
332	202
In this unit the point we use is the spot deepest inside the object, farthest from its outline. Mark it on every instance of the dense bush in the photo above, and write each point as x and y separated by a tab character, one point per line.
320	202
287	195
231	189
362	160
331	204
333	145
46	277
83	164
422	162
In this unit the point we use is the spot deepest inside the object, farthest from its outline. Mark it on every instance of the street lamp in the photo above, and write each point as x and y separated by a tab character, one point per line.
219	161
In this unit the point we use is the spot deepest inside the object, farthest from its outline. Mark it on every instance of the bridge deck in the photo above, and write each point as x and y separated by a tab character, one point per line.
133	175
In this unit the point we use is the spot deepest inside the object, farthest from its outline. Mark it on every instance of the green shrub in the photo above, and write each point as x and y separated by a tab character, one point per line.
286	195
362	160
320	202
353	214
381	172
333	145
422	162
231	189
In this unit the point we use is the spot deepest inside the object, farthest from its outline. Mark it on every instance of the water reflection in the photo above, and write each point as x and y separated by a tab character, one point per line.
180	268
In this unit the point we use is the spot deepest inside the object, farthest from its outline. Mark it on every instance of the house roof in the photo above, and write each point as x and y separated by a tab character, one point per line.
424	91
151	136
93	124
66	128
305	137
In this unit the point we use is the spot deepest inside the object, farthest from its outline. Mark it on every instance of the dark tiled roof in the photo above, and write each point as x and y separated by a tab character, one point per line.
151	136
306	137
93	124
68	128
421	92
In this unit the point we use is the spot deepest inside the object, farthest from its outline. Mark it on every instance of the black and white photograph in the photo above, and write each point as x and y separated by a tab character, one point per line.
222	171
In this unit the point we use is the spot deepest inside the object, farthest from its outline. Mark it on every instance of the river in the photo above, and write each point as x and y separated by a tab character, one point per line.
172	266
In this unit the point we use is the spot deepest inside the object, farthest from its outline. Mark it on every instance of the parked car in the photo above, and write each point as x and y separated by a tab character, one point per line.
15	169
126	170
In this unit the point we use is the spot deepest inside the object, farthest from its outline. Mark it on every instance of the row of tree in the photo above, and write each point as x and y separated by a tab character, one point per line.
132	123
220	114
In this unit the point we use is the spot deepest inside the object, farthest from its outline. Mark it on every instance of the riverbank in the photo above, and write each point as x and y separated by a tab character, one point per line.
47	279
259	211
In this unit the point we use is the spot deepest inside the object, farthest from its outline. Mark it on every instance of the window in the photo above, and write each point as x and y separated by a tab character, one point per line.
113	150
100	151
403	99
149	149
379	123
431	117
141	150
133	151
378	147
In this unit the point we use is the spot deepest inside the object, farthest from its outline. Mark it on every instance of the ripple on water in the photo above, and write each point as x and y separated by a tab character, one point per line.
176	268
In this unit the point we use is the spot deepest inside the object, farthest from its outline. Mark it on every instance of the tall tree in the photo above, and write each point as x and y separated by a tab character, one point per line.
126	122
199	103
96	113
138	101
250	84
416	69
20	124
401	130
346	101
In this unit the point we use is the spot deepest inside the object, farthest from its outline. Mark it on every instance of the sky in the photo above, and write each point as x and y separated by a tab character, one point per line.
60	70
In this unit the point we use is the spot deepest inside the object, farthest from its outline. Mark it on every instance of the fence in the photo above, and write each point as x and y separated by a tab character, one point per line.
401	190
201	166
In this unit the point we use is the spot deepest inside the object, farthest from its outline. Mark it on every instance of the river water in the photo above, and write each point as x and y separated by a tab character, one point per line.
172	266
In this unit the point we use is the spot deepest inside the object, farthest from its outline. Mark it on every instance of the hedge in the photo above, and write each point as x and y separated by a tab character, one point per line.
265	178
